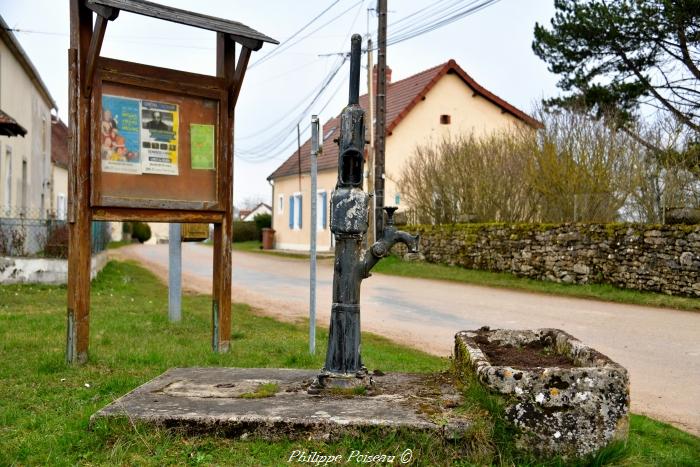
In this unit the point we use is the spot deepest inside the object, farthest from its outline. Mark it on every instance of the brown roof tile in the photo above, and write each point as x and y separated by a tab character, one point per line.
402	96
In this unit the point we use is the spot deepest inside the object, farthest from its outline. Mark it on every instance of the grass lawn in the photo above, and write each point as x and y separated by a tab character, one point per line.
118	244
45	406
395	266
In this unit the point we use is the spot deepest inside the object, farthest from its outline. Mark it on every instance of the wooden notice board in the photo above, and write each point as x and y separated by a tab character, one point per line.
125	138
150	144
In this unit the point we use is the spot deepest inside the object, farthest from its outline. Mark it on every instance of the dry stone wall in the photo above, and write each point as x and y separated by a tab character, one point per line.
644	257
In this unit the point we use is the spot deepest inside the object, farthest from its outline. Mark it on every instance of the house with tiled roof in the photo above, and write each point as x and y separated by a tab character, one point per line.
25	142
435	103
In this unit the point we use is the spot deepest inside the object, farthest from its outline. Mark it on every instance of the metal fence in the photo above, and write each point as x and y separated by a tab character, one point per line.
26	233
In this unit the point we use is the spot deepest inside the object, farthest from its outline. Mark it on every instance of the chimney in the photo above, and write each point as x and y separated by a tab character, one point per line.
374	77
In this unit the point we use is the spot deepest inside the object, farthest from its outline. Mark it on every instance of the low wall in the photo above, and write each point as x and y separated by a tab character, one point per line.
644	257
42	270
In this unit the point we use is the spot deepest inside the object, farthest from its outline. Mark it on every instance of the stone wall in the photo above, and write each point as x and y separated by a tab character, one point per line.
644	257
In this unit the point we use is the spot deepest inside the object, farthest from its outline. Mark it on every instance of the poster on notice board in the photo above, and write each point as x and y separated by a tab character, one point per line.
139	136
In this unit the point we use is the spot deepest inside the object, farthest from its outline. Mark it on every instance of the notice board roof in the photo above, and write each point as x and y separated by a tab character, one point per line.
189	18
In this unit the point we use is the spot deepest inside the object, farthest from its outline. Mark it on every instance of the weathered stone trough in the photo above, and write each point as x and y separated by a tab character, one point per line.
563	397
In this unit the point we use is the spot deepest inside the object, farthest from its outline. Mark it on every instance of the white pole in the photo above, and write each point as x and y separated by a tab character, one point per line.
174	273
314	226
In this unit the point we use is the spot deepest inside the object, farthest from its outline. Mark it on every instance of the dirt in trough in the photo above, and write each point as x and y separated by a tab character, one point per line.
533	355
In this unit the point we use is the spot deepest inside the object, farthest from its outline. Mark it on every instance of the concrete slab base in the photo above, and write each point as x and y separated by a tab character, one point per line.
272	403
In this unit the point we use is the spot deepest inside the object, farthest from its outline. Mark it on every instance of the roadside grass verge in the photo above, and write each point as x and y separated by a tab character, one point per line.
45	405
118	244
397	267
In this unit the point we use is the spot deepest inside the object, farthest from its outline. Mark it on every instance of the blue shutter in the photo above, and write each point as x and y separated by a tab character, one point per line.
300	210
324	209
291	212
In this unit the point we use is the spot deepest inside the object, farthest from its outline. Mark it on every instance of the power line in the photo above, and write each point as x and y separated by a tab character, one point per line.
281	48
263	151
284	42
427	22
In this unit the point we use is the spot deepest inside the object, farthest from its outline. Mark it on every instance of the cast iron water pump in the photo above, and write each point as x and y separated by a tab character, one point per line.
349	215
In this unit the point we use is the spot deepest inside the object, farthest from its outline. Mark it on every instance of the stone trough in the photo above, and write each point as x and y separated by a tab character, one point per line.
563	397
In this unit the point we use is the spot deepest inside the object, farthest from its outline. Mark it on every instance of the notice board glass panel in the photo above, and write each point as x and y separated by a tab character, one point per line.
154	149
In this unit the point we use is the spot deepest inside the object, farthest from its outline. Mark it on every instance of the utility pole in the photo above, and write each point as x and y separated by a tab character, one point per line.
380	127
371	233
313	226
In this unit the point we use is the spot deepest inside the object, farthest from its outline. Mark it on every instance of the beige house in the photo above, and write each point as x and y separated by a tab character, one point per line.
430	105
25	162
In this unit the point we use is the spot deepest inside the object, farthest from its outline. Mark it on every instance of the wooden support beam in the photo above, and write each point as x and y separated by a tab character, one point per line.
223	231
239	74
79	232
93	53
252	44
105	12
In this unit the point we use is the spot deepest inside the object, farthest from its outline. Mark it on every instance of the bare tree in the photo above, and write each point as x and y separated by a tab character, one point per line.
665	182
574	169
465	178
580	169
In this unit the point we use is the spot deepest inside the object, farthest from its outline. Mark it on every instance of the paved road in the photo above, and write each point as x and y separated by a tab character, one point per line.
660	347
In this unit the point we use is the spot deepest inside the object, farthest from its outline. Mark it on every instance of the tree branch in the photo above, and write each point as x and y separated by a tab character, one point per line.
682	39
681	116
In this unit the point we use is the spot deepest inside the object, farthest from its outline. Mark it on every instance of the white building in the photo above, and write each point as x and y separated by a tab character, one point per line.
25	162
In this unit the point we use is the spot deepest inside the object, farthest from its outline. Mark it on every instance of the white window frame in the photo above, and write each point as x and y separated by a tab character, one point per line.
7	179
61	206
280	204
319	210
297	221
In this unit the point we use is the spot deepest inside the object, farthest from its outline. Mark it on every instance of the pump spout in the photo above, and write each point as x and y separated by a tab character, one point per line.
390	237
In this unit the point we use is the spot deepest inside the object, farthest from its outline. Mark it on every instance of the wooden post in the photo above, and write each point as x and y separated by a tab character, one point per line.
79	238
223	232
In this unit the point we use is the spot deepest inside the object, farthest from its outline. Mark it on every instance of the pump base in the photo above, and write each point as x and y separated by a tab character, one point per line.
328	381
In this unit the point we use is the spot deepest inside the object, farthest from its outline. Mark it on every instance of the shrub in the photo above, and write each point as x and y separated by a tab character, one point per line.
141	231
263	221
245	231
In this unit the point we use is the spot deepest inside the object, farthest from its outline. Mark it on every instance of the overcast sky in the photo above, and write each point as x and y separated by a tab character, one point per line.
492	45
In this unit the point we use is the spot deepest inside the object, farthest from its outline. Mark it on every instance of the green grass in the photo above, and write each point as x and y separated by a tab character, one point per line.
397	267
118	244
263	390
252	245
45	405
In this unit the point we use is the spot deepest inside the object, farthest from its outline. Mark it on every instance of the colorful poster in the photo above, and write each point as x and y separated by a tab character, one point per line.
159	127
120	135
202	146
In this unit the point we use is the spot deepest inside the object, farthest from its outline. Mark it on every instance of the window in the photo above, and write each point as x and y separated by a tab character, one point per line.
61	207
280	204
43	135
23	188
445	119
8	179
321	210
397	199
295	211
